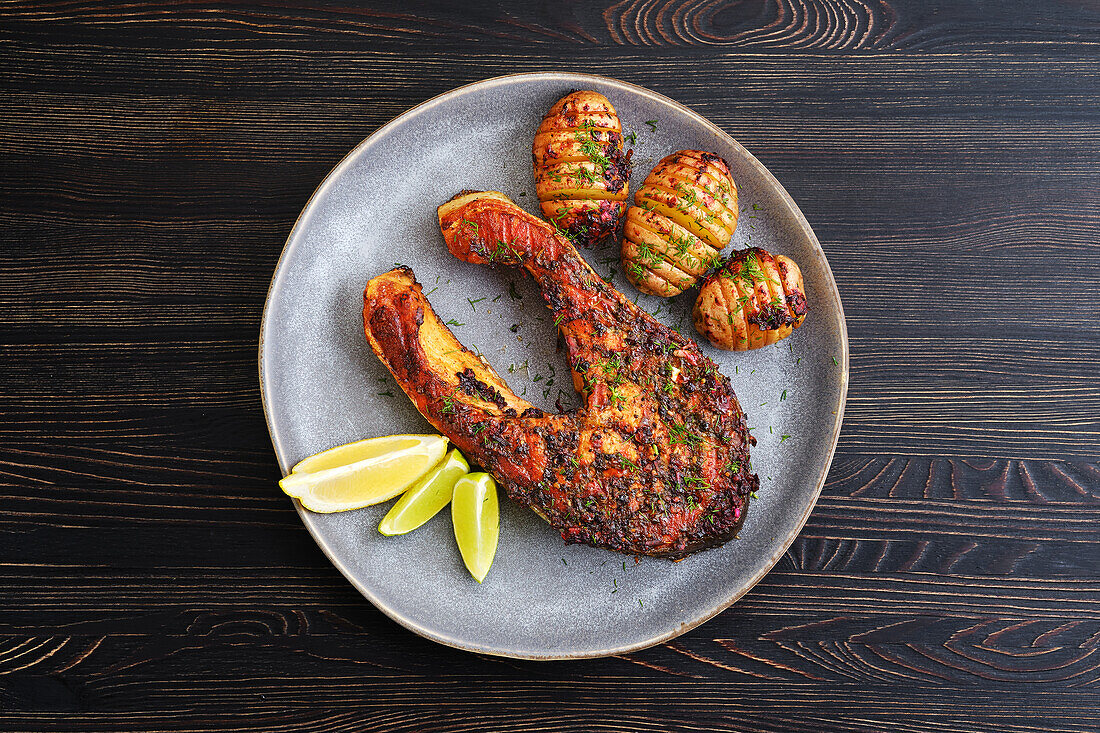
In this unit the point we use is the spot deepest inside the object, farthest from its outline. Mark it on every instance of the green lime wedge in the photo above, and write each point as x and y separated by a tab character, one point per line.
476	518
426	497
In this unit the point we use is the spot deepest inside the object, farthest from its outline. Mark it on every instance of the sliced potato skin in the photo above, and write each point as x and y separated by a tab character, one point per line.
753	300
582	174
685	212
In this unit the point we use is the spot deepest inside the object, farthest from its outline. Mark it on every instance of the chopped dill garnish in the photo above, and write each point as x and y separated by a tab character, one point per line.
636	270
680	434
696	482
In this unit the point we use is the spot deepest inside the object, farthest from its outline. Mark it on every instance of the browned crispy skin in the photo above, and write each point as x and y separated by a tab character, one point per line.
656	461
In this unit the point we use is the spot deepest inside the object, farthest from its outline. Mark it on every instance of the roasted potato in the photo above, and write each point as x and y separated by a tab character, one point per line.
684	214
753	300
582	174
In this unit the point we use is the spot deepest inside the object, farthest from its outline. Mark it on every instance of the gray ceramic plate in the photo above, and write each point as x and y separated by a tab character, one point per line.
322	386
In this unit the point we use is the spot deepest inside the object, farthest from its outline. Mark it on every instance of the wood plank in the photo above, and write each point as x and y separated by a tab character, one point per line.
398	704
1032	654
385	82
816	25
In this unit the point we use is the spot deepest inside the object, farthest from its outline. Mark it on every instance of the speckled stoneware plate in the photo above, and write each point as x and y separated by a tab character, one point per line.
322	385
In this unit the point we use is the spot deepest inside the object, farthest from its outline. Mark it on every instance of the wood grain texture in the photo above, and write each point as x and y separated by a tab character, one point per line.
156	155
784	25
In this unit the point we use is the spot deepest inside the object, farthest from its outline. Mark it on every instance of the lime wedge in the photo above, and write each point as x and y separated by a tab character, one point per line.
370	480
426	497
476	518
361	450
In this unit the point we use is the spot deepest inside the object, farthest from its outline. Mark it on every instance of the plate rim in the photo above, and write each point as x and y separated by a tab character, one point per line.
569	77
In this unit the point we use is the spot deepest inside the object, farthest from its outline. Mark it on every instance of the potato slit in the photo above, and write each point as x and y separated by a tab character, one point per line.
666	288
688	176
680	218
737	308
672	254
579	194
710	216
662	263
695	243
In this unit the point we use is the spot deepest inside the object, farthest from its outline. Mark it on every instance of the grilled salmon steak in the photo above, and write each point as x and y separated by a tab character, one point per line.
655	462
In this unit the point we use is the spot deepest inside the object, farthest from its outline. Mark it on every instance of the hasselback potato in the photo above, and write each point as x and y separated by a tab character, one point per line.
753	300
684	214
582	174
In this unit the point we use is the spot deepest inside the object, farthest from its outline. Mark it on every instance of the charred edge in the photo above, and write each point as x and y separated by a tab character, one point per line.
617	172
771	317
471	385
588	225
796	301
460	194
717	160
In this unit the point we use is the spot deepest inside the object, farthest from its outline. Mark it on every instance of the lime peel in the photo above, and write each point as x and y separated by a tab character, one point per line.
426	497
360	450
475	514
371	480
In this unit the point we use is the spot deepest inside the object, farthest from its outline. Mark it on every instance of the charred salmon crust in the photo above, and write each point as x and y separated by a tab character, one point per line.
655	462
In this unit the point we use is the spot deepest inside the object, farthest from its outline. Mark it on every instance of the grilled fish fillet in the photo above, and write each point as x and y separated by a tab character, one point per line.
655	462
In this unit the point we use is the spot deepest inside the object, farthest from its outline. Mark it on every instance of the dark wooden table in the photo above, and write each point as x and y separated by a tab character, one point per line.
155	157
